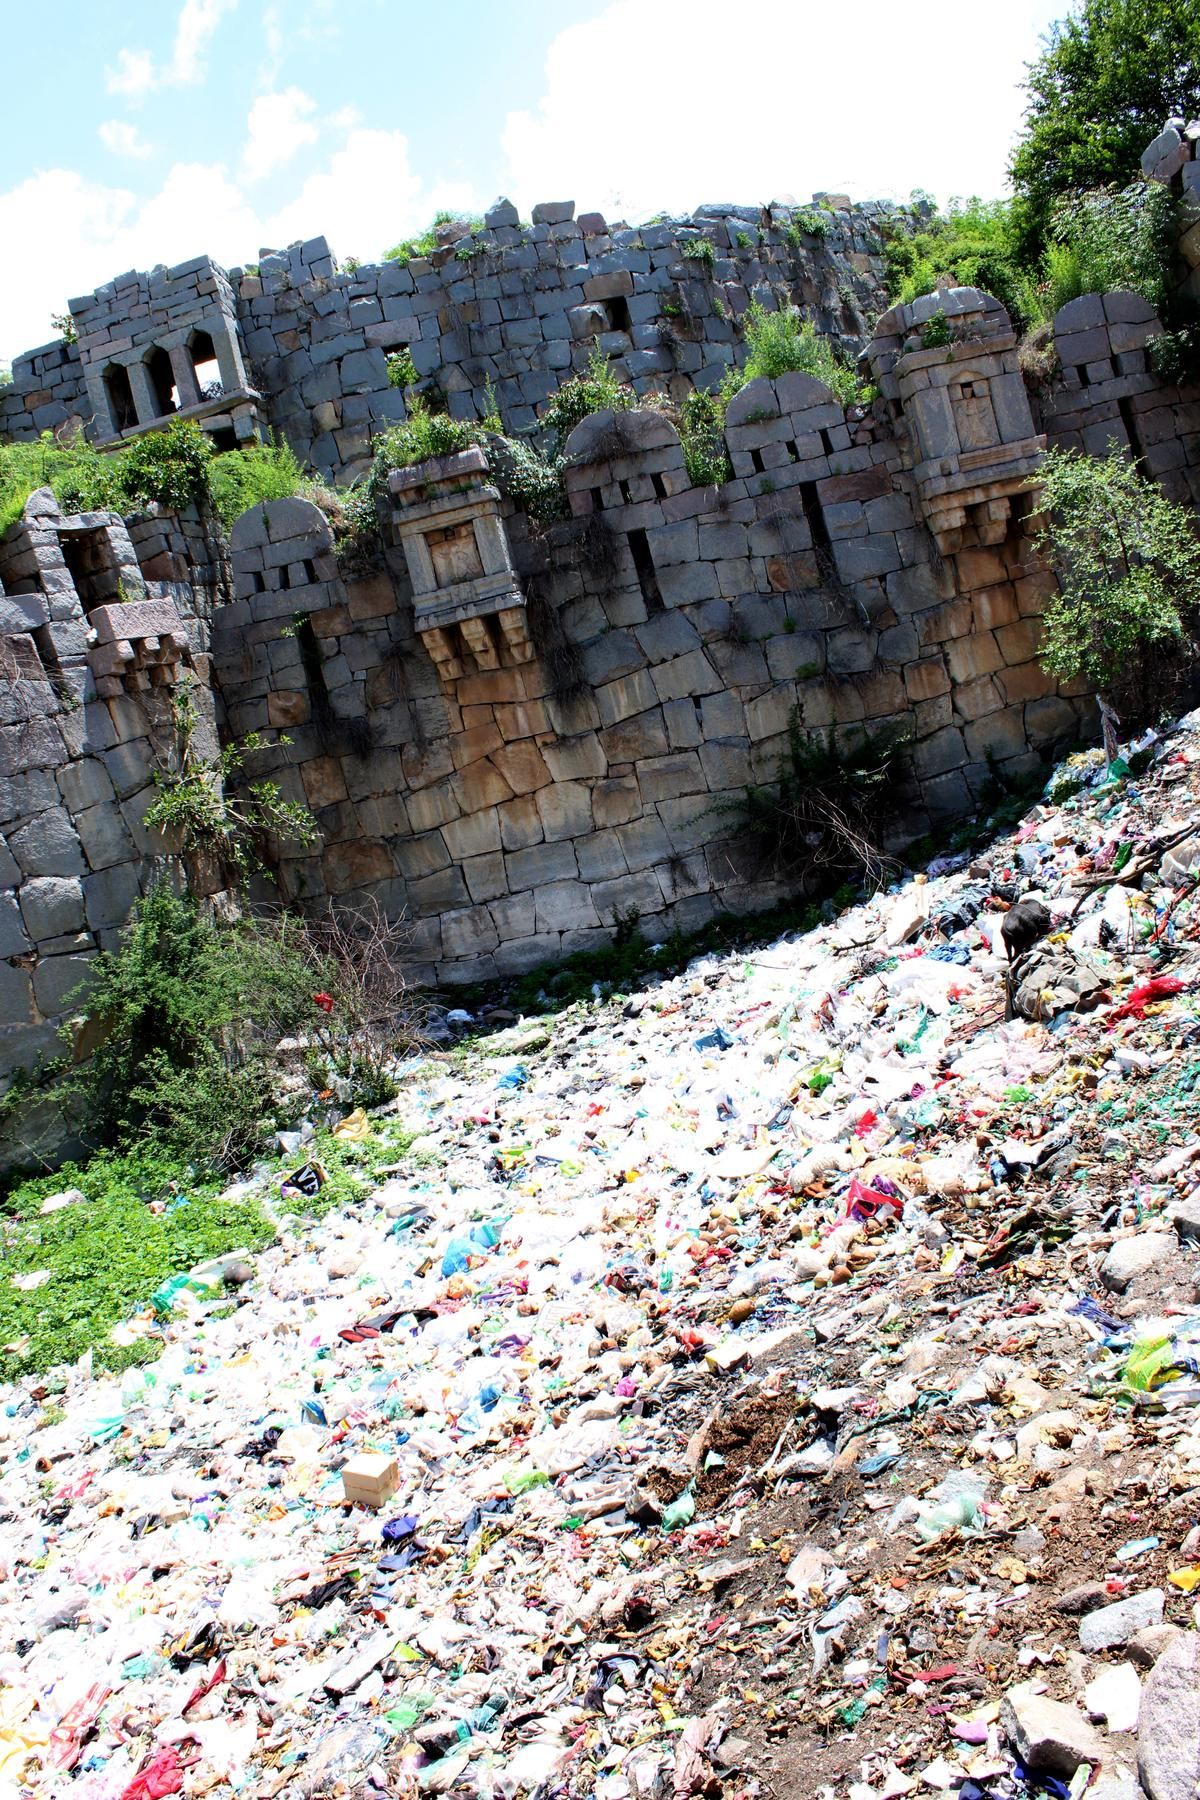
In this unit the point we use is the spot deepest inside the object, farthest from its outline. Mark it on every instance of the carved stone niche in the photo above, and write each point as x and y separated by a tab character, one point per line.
138	645
947	366
468	606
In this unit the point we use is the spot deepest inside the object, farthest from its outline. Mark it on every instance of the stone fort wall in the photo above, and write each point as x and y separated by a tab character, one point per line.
517	735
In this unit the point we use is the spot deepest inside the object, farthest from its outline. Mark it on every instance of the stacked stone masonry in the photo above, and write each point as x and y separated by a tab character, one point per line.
517	736
302	347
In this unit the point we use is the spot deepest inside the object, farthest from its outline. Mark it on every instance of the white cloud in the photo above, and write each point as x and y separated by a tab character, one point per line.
366	199
133	77
135	74
276	127
74	233
123	139
807	109
198	20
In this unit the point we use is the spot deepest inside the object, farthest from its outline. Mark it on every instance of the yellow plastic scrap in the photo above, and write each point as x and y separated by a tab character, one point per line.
355	1128
1186	1580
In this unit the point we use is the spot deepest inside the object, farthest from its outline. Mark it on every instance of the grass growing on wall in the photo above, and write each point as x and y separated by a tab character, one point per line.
174	467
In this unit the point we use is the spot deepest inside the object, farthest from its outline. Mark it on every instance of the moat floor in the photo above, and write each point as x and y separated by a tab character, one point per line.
780	1368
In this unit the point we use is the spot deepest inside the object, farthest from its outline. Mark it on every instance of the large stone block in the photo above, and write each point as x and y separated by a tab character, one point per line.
565	809
59	982
969	657
14	938
572	758
470	932
667	777
109	895
691	675
472	835
52	906
520	823
564	906
635	738
432	806
639	893
689	823
540	864
623	698
939	753
645	841
523	766
616	801
354	865
48	845
1050	720
600	857
480	786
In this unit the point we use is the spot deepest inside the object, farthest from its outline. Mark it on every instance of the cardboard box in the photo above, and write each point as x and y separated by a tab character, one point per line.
370	1479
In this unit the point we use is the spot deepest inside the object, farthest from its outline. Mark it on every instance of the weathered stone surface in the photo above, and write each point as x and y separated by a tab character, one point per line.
1047	1735
52	906
1134	1256
1169	1724
1116	1624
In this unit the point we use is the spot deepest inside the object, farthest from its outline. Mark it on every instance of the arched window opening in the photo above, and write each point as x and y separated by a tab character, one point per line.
120	397
204	362
162	380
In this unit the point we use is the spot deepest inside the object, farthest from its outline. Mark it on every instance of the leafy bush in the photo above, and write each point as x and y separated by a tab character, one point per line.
1175	355
170	467
780	342
972	244
199	811
422	435
188	1012
700	249
807	221
82	479
402	370
534	481
702	435
445	228
599	390
240	479
1113	238
821	818
1128	566
1110	73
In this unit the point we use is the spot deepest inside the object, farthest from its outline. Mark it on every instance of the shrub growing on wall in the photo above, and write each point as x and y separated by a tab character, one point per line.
1128	566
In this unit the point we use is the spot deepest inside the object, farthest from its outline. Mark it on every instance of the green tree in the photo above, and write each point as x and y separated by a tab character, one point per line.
1108	77
1128	566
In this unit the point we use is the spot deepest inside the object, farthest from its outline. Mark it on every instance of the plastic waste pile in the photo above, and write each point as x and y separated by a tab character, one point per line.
785	1380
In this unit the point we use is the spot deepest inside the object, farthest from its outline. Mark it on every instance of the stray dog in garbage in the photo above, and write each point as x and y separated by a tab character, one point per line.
1022	926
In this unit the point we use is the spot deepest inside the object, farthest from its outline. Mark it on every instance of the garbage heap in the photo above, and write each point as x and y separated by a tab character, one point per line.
781	1382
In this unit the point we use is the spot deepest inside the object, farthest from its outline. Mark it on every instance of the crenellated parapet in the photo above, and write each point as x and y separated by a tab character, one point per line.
468	606
947	369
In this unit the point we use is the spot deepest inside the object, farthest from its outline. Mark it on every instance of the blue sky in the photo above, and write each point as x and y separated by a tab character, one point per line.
173	127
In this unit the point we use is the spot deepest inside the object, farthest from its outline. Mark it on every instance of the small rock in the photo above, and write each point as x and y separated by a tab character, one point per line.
69	1197
1169	1730
1048	1735
1114	1695
1085	1599
1133	1256
1185	1216
1146	1646
238	1273
1116	1624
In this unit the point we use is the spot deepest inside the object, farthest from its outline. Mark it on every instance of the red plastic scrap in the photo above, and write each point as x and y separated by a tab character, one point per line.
863	1202
162	1775
1159	987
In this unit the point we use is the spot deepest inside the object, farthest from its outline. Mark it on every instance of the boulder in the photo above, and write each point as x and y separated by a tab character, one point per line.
1048	1736
1116	1624
1134	1256
1169	1726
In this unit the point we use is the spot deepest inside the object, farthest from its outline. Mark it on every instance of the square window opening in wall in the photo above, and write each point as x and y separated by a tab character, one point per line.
643	563
224	439
616	311
92	567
